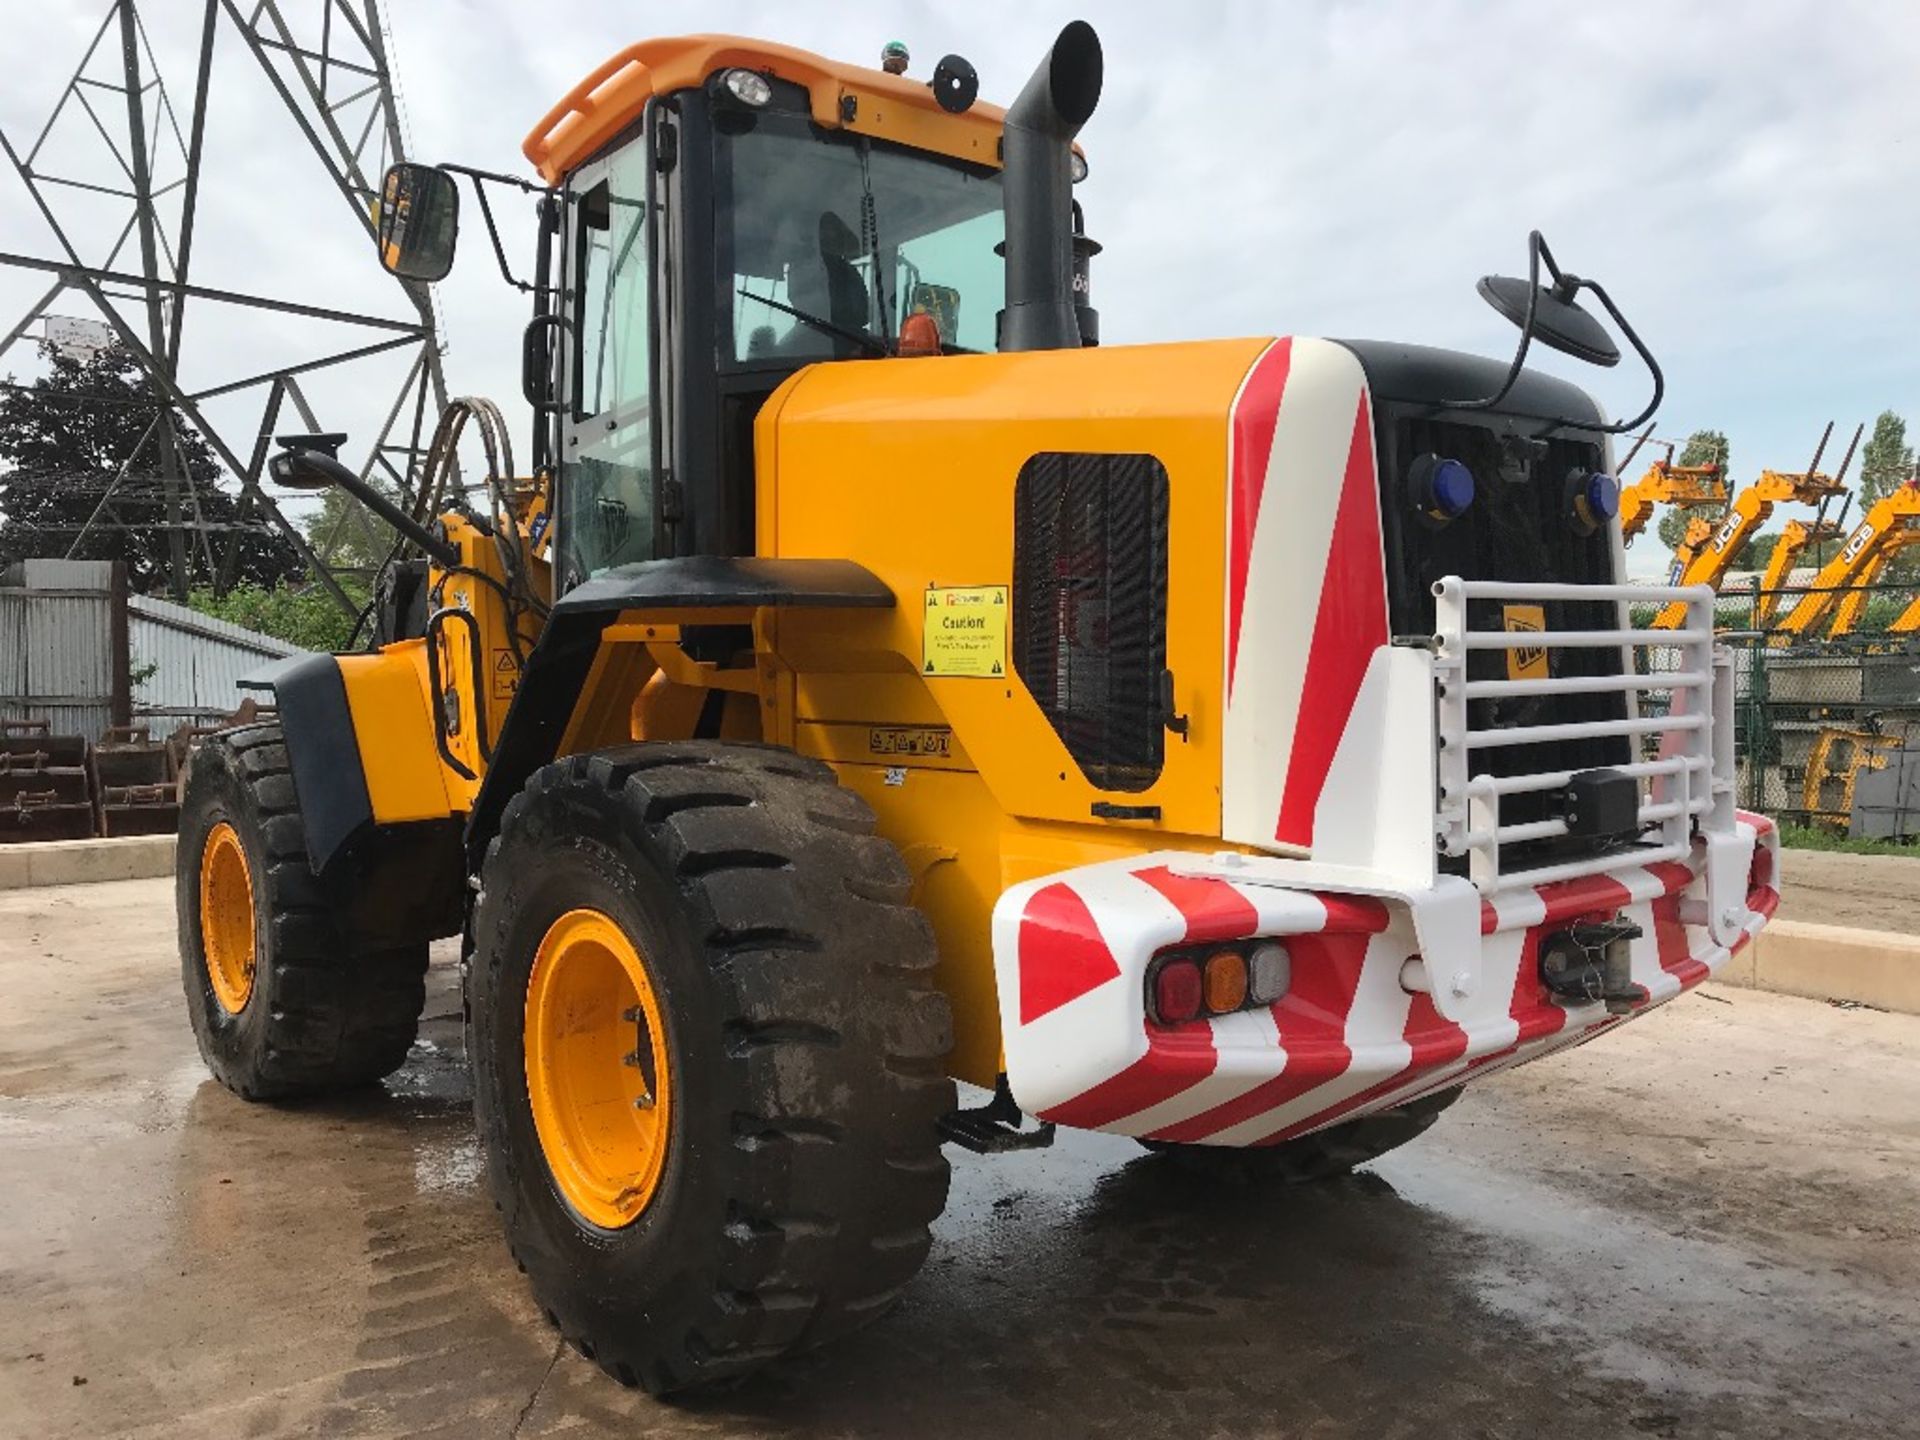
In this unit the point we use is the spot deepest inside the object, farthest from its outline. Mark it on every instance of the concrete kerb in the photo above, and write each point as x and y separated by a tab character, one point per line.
1832	962
1793	957
82	862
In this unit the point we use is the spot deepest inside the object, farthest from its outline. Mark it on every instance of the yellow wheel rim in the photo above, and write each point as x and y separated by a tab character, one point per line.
226	918
598	1079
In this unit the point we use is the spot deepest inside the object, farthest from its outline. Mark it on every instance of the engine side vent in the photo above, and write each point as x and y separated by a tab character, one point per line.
1090	607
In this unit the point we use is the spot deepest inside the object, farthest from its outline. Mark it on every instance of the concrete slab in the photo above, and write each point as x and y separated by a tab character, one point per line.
1705	1223
85	862
1833	962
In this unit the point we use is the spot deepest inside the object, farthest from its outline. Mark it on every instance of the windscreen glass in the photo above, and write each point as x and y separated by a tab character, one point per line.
855	235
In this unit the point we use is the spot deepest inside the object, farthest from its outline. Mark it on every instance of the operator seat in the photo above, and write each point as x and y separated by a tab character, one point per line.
828	285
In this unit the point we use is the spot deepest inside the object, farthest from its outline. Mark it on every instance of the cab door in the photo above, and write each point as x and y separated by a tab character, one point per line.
609	511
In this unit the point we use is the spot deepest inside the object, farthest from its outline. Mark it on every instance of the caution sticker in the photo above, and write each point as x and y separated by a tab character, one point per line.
1526	662
965	632
506	675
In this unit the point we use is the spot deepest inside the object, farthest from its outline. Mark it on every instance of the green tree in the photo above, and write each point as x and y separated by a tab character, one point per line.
1887	461
307	617
65	441
1759	551
346	536
1703	447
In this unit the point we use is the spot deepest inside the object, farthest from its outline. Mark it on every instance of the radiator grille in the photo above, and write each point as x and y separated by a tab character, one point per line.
1090	607
1515	532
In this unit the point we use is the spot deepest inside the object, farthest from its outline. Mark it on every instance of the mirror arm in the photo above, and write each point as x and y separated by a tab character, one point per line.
480	179
441	550
1640	349
340	477
1536	246
493	234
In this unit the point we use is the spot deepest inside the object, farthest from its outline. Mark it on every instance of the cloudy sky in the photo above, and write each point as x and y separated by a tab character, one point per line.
1744	178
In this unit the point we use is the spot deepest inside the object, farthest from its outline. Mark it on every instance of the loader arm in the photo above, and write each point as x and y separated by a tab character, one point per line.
1687	486
1794	540
1854	603
1869	542
1750	510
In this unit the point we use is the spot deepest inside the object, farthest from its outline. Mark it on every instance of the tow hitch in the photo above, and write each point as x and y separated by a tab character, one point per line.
1593	961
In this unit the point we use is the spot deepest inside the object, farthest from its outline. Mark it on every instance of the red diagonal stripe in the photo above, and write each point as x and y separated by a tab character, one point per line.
1433	1040
1177	1056
1254	418
1350	626
1669	935
1062	955
1213	909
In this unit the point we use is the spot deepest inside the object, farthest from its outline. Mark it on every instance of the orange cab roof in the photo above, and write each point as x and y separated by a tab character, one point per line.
891	107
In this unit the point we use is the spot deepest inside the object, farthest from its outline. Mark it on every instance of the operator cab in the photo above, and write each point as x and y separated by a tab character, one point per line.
719	214
719	243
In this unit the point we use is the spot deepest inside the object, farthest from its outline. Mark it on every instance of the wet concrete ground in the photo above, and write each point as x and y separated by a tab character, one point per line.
1705	1225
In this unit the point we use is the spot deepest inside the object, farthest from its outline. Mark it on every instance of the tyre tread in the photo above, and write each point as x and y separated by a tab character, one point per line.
800	912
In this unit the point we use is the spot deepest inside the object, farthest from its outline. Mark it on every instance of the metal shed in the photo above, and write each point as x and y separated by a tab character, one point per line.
187	666
77	651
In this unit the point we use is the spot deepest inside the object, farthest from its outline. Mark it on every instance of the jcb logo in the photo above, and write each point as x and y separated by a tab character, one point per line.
1723	537
1857	542
1526	662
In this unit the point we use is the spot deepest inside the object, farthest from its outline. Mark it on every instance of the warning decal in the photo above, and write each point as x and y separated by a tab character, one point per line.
910	740
965	632
506	675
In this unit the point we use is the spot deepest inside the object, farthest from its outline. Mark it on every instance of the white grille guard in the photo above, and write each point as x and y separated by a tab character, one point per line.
1686	788
1402	790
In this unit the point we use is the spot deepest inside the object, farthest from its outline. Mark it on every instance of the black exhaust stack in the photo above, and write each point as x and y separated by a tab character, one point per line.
1037	182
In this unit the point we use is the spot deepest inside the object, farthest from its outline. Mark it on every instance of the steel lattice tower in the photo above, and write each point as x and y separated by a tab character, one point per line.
326	61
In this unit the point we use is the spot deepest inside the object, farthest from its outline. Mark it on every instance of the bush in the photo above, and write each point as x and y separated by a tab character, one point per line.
306	616
1813	837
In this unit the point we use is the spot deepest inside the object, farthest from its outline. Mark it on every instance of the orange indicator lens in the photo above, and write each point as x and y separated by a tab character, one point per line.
1226	981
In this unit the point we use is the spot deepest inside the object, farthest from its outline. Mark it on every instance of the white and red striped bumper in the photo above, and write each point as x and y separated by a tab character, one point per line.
1071	953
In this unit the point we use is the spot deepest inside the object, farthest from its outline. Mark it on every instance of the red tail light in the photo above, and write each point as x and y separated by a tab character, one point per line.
1177	992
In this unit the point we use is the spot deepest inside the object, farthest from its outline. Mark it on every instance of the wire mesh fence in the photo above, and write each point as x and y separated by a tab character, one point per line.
1826	718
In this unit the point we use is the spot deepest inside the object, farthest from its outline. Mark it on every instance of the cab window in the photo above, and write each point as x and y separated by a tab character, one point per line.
854	235
607	494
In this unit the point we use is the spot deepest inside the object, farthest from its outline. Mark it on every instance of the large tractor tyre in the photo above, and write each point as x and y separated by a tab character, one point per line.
1322	1155
708	1057
283	1002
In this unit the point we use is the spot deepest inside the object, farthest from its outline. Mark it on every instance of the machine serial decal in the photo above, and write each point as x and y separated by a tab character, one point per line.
1529	662
965	633
910	740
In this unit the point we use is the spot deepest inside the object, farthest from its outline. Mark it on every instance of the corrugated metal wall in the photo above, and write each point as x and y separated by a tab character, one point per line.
57	652
56	656
197	662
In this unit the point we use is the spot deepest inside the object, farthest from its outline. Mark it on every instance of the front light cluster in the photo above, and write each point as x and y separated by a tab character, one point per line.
1593	498
749	87
1440	488
1203	980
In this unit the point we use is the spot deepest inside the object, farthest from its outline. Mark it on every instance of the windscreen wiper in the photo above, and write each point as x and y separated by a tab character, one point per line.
872	344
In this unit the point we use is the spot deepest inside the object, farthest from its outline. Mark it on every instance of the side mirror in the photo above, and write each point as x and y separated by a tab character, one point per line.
1558	322
419	221
308	462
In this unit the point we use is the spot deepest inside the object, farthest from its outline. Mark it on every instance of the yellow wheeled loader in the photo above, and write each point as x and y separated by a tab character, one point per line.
874	683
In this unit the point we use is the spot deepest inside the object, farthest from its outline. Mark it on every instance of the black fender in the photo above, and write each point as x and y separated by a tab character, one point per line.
396	884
